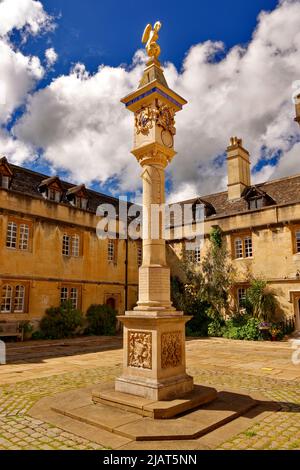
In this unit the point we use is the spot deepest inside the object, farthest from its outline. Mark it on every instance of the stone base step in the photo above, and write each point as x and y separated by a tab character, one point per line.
163	409
191	425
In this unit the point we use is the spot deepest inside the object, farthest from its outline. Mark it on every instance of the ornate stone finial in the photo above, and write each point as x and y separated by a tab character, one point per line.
150	38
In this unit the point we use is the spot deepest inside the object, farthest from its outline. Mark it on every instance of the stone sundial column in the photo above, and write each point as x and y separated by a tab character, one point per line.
154	332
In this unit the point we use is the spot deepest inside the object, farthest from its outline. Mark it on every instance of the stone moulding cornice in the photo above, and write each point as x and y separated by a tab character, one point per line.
155	90
153	154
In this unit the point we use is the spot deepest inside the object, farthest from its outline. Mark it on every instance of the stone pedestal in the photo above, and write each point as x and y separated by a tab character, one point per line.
154	355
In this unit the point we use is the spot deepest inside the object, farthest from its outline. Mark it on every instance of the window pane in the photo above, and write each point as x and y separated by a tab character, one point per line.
75	245
6	298
139	255
241	295
66	245
197	255
63	294
238	248
248	247
24	237
259	202
51	194
19	299
74	297
57	196
5	181
11	237
111	250
190	256
298	242
78	202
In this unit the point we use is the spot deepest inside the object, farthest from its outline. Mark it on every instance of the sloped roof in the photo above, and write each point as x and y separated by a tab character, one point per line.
28	182
281	191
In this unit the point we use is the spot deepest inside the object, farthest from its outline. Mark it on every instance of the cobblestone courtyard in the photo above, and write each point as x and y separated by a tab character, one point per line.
35	370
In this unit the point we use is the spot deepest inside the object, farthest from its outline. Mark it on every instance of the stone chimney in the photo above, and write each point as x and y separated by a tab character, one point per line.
238	164
297	106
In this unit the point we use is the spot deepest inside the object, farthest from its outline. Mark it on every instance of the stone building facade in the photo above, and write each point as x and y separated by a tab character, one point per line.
49	250
260	225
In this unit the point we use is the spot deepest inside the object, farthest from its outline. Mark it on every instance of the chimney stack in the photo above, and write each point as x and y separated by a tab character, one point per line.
238	164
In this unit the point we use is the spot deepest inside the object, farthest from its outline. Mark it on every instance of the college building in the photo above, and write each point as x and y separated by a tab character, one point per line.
50	252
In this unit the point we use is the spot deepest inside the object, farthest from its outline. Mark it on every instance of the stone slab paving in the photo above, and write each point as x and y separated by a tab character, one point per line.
248	367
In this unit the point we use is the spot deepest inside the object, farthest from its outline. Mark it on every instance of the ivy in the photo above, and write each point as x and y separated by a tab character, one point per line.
216	237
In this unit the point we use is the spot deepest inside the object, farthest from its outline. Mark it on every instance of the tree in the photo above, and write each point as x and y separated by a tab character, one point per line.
260	301
210	283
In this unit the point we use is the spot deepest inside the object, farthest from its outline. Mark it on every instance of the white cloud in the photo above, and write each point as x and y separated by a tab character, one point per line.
80	123
19	73
51	56
15	150
23	14
82	127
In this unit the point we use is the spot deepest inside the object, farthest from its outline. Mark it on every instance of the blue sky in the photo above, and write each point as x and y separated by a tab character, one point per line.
234	64
109	32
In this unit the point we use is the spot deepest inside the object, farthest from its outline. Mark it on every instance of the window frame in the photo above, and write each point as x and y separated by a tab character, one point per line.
68	289
7	179
81	202
20	223
239	298
294	230
55	191
244	249
114	258
258	201
25	298
72	235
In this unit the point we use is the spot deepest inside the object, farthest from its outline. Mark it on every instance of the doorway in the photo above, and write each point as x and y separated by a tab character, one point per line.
111	302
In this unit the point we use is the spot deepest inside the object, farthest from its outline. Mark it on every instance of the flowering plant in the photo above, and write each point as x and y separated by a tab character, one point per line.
274	331
264	325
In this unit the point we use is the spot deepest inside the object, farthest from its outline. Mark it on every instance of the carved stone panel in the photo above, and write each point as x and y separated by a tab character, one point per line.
144	119
171	349
140	349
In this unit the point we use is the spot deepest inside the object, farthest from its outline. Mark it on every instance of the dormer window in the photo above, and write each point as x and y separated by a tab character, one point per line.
53	194
5	173
202	209
51	189
257	198
78	196
80	202
256	203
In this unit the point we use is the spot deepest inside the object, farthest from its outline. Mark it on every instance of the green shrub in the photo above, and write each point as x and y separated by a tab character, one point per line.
61	322
27	328
216	327
102	320
242	327
185	300
37	335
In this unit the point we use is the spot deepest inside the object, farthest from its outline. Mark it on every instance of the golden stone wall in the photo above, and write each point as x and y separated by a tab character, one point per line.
43	269
274	255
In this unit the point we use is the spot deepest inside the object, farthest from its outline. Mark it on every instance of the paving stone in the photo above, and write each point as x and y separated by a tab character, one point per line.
219	363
